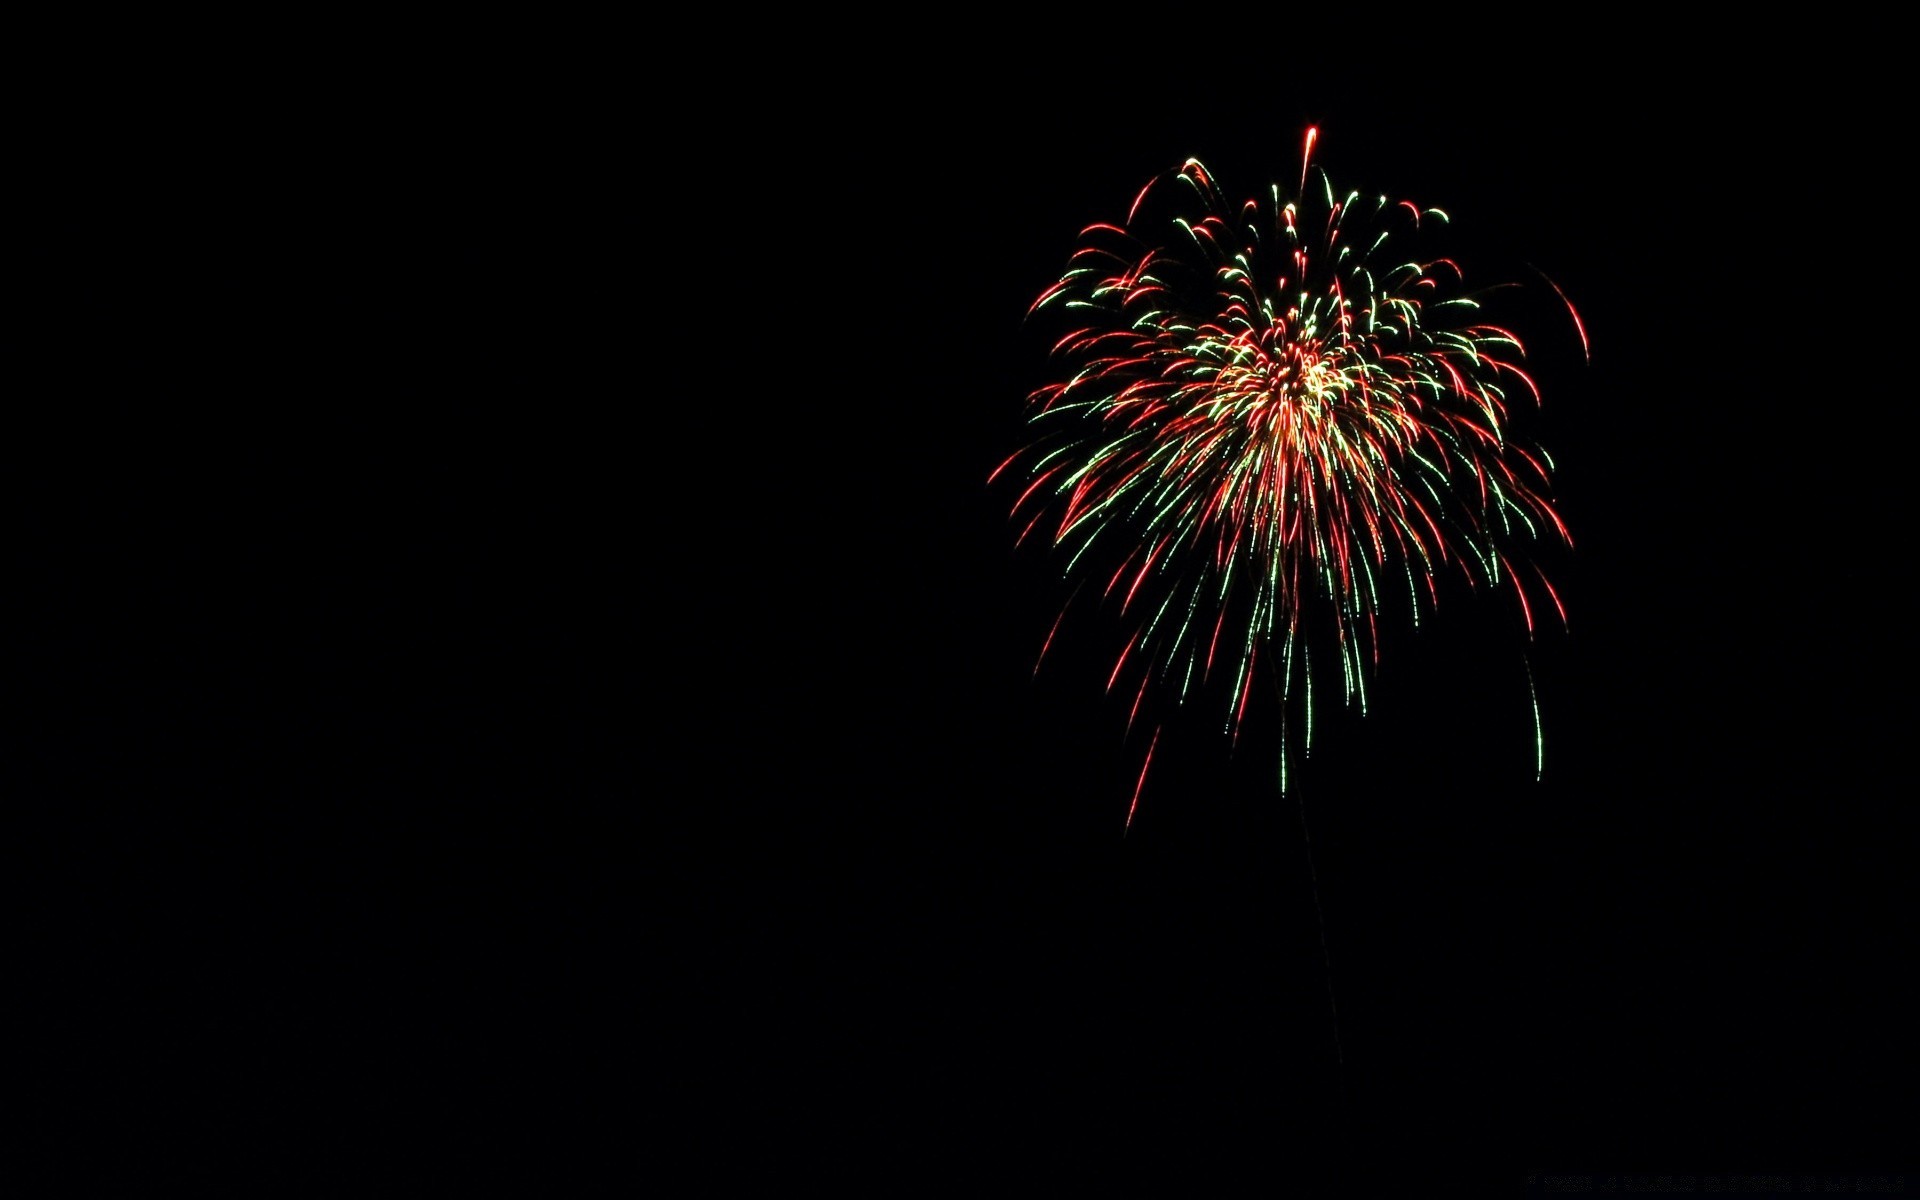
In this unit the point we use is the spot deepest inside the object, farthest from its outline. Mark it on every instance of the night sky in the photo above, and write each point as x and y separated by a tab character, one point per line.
524	668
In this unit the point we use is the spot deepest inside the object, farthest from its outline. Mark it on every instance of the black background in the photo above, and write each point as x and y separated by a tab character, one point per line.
523	667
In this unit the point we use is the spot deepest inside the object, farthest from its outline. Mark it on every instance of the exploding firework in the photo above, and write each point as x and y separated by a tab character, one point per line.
1273	423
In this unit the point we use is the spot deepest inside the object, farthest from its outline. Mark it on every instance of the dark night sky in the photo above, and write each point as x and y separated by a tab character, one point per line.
524	667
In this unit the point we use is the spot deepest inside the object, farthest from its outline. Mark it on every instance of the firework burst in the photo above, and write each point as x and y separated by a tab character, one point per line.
1276	419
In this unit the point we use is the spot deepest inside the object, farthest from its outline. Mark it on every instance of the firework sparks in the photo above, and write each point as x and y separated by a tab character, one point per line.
1275	420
